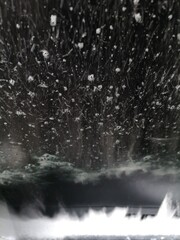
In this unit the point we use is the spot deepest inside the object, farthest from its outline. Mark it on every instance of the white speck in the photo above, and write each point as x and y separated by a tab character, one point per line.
177	87
170	17
33	47
20	113
43	85
178	108
53	20
84	35
98	31
77	119
138	17
30	79
117	70
158	103
117	94
136	2
17	26
157	55
31	94
80	45
178	37
99	87
94	48
124	9
95	89
71	9
66	110
123	86
45	53
111	27
117	107
91	77
109	99
65	89
111	87
117	142
12	82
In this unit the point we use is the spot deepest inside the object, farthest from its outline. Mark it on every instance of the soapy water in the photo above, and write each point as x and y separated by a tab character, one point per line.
93	224
102	223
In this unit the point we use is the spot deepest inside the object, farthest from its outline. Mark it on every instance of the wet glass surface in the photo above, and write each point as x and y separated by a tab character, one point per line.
94	83
89	106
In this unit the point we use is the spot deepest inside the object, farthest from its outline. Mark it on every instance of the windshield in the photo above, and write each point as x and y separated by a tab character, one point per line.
93	83
89	92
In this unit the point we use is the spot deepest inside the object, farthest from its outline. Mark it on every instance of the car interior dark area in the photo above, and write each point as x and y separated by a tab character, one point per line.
90	119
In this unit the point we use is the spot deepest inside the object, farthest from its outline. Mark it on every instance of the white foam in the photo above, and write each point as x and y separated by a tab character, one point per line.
95	223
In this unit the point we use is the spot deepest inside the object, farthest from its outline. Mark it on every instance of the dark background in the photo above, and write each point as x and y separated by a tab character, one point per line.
130	110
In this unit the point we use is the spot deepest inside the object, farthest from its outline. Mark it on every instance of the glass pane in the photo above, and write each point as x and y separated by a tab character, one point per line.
89	103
